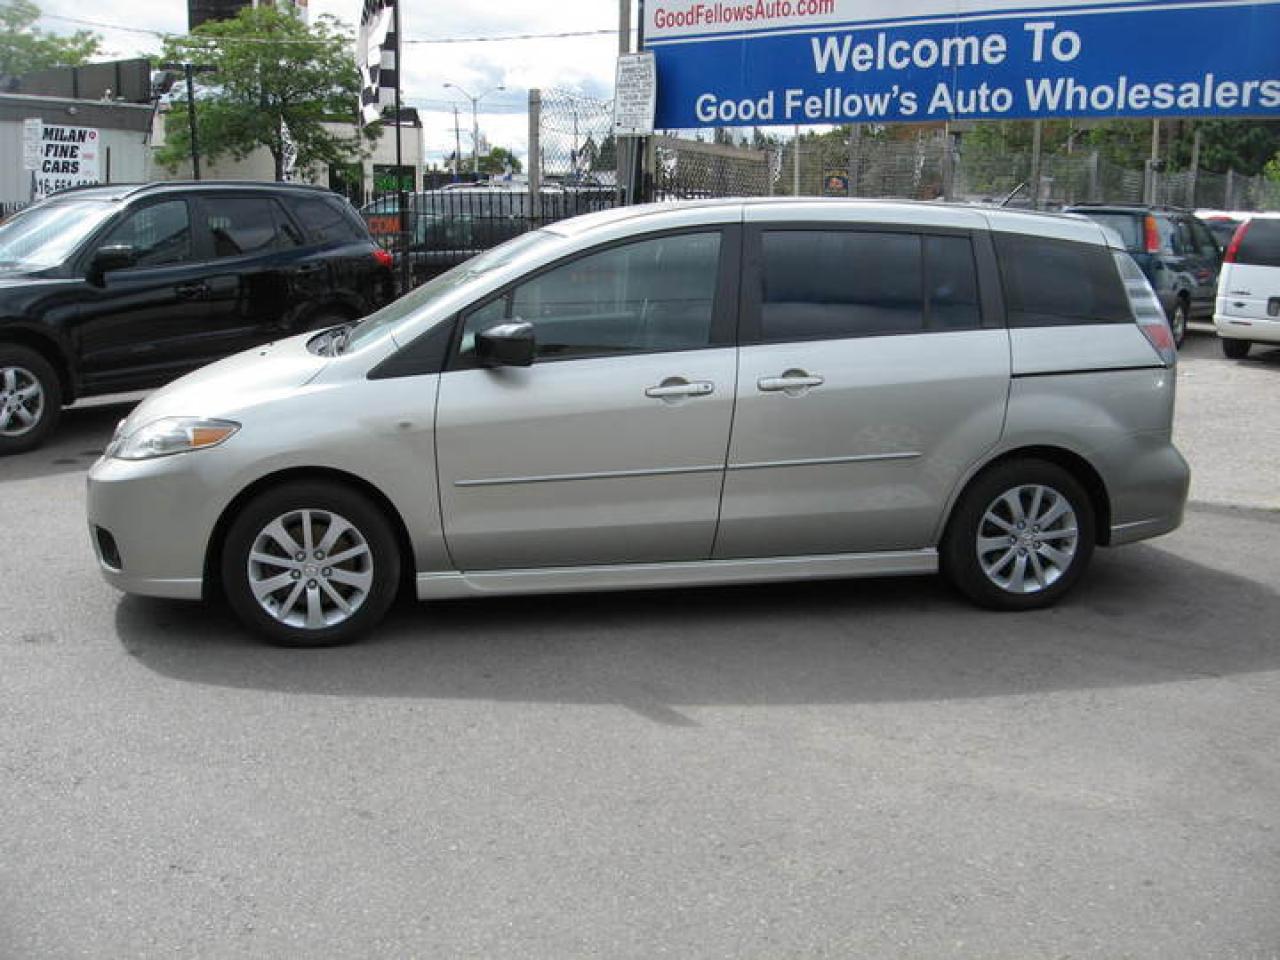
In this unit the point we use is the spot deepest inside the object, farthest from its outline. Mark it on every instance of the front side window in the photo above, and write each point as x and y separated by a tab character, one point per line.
160	234
245	225
1051	282
831	284
642	297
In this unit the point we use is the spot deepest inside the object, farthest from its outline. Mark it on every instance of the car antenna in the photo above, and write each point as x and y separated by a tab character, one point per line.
1016	190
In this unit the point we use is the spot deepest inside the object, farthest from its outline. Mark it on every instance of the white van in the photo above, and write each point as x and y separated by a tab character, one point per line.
1247	308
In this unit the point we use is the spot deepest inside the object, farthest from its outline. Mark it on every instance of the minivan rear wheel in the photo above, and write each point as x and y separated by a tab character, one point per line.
30	399
310	564
1020	537
1234	349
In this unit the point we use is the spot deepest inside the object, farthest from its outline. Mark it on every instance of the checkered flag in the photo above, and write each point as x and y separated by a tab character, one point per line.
378	56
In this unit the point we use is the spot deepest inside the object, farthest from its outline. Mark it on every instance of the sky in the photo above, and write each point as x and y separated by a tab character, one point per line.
581	64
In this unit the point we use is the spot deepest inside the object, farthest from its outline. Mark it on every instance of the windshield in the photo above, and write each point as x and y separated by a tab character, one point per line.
463	273
45	235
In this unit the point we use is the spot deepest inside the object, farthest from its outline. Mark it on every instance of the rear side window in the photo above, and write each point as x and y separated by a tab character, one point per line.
1260	246
828	285
1059	282
325	220
832	285
244	225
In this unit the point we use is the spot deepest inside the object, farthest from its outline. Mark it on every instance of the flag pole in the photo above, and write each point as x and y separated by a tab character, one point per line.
402	200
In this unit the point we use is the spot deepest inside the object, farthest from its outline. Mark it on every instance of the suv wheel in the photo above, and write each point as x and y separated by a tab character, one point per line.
30	399
310	564
1234	349
1020	537
1178	320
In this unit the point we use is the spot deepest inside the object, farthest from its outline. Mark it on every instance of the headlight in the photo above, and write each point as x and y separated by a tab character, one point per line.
170	435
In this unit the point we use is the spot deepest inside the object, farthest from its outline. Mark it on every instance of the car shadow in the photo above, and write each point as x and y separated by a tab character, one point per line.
81	435
1142	616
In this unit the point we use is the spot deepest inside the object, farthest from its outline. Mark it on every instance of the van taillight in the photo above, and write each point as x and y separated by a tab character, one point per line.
384	258
1233	248
1147	312
1151	234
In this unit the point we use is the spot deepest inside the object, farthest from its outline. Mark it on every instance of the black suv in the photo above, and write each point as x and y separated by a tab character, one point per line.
1178	253
107	289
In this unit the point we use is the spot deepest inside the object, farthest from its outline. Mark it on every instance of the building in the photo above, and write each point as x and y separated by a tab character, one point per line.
120	133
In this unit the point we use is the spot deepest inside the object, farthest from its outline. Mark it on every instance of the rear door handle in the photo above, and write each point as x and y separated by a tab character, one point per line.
792	382
676	387
192	291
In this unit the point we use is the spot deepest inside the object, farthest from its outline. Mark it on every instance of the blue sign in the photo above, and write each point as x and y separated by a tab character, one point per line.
749	62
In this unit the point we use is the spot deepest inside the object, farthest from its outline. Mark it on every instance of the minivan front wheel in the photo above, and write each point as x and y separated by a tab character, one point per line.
1020	537
310	564
30	399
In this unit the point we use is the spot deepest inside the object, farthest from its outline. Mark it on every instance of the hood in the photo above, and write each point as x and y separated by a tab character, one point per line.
233	384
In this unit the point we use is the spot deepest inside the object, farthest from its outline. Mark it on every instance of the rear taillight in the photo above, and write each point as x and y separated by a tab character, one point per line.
384	258
1147	313
1151	235
1237	238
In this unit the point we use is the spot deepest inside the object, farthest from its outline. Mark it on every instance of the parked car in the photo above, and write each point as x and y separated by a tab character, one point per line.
126	287
1178	254
719	392
1247	310
1222	223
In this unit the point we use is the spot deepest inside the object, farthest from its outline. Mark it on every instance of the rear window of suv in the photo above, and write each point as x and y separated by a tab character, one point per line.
1260	246
326	220
1127	225
1059	282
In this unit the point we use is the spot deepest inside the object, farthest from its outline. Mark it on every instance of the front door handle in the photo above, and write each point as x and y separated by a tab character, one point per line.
673	388
192	291
793	382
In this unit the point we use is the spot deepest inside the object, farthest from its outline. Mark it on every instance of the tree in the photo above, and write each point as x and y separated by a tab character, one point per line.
500	160
25	48
272	71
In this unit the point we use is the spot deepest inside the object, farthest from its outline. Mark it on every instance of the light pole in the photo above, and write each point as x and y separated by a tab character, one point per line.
475	123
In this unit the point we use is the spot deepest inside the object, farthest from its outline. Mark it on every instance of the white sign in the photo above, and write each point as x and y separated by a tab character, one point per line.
67	157
31	143
635	95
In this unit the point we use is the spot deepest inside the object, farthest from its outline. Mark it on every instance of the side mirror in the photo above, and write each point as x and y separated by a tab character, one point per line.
116	257
506	345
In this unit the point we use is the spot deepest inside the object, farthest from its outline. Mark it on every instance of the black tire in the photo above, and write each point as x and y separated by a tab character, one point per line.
960	546
380	564
1234	349
24	369
1178	320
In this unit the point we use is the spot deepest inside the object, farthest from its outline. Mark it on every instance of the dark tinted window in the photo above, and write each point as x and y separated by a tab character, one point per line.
1261	244
640	297
159	234
1058	282
325	220
951	284
1222	228
1127	225
1206	245
826	285
241	225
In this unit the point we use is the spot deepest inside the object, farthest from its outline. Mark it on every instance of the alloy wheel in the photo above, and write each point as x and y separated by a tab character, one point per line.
310	569
1027	538
21	401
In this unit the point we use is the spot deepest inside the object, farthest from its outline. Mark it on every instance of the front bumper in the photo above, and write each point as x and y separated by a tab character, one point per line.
158	517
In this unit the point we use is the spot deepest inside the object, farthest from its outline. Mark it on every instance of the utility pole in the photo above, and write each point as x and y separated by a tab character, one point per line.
457	143
190	70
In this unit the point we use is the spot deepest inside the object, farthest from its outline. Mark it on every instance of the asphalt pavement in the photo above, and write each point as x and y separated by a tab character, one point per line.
847	769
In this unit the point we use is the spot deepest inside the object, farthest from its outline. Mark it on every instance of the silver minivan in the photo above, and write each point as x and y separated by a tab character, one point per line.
668	395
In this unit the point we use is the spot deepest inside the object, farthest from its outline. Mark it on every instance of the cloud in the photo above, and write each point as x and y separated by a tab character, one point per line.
581	64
